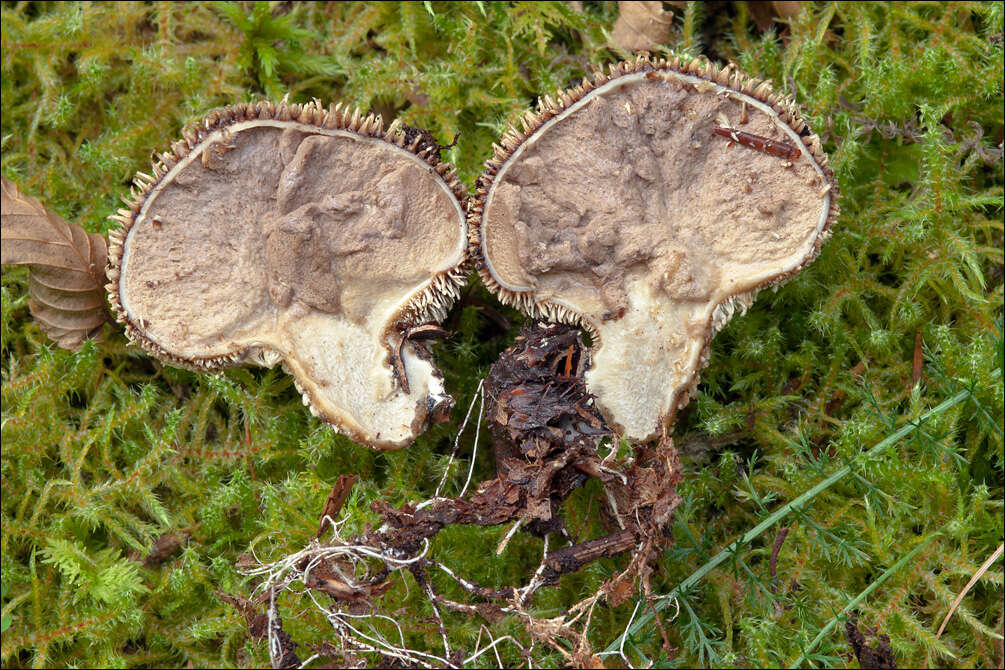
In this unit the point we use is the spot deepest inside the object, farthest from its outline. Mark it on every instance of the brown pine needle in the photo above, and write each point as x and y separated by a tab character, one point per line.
973	580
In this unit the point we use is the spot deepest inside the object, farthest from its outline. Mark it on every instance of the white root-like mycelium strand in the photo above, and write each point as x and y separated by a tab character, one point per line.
295	234
648	205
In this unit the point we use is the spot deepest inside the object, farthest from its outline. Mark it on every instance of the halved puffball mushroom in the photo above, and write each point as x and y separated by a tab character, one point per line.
648	206
294	234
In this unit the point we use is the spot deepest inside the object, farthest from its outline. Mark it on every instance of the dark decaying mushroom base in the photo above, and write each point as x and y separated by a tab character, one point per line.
547	431
308	236
648	206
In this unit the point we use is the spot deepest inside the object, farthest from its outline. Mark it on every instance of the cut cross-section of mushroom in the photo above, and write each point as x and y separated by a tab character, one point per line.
648	205
308	236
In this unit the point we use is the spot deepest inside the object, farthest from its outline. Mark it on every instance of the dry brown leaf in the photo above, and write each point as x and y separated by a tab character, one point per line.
333	505
641	26
67	279
788	8
765	14
877	655
257	620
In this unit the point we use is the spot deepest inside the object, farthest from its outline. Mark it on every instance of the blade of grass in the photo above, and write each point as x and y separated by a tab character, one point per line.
782	512
904	560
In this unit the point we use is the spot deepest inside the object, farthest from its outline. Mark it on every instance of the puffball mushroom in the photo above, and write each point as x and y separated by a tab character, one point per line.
649	205
294	234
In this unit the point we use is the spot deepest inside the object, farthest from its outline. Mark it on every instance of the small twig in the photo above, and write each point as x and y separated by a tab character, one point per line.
966	589
614	507
457	439
659	624
474	448
512	531
439	619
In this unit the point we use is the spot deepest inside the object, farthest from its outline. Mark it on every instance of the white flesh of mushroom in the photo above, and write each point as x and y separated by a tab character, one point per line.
204	290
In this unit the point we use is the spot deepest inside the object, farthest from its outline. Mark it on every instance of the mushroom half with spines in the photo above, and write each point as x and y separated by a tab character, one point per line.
648	205
303	235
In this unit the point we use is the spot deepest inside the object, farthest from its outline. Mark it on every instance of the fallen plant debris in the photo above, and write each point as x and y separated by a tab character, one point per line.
165	547
641	26
67	276
878	656
547	432
765	14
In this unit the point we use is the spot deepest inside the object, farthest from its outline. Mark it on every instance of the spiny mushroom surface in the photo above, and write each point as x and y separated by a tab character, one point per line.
308	236
648	205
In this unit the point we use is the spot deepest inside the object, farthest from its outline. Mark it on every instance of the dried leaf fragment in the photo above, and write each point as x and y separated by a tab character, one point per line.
765	14
258	626
333	505
66	289
878	656
165	546
641	26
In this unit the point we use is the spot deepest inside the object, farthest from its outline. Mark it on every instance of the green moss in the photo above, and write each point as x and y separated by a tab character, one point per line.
106	450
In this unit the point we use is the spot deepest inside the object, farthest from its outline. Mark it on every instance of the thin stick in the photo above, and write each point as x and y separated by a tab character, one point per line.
973	580
439	619
457	439
502	545
478	429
